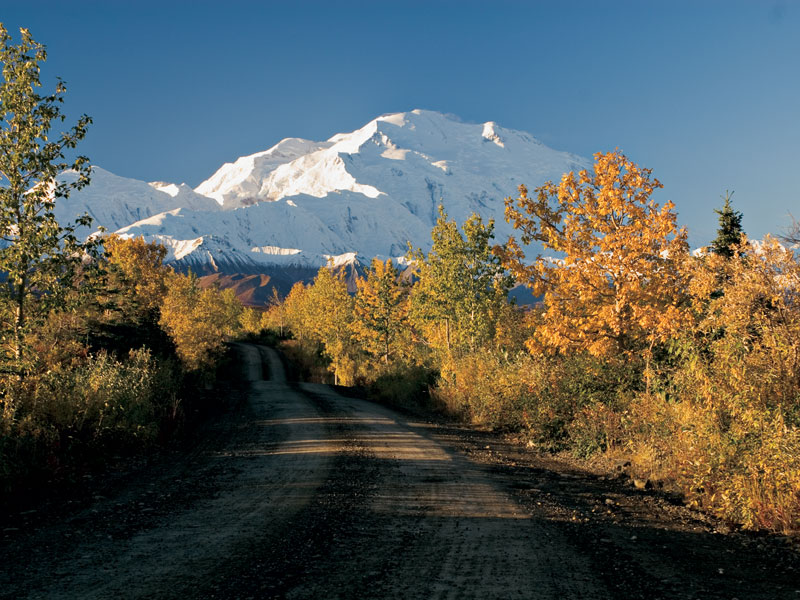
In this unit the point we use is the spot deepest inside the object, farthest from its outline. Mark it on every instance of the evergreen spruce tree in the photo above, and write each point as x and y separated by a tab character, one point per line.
730	233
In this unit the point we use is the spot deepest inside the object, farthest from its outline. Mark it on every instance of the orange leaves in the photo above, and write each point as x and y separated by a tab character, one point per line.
617	288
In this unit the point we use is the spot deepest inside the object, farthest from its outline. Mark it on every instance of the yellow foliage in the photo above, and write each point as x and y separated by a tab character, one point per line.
321	314
136	274
729	434
618	288
198	321
329	314
513	326
295	307
250	321
381	310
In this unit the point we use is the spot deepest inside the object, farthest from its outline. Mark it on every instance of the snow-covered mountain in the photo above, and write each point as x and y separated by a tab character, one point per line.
368	192
350	198
416	159
113	201
239	183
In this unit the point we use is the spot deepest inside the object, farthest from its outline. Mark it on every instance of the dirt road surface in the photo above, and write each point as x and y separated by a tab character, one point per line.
298	492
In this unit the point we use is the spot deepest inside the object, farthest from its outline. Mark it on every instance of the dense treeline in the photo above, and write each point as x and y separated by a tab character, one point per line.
686	365
115	370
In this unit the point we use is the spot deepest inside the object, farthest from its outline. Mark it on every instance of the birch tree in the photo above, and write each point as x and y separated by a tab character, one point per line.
39	257
381	310
460	281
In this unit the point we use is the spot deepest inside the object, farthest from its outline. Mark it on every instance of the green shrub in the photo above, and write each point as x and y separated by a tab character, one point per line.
399	384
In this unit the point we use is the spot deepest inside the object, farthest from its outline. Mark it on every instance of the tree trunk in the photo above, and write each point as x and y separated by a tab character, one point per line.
472	330
19	323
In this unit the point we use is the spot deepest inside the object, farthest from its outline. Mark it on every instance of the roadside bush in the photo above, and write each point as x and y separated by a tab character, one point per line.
399	384
484	389
559	401
724	421
732	448
741	463
59	420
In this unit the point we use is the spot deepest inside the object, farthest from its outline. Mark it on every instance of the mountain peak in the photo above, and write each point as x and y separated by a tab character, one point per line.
240	179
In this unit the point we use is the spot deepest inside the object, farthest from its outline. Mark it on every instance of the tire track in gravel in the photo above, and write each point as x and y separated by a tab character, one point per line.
250	485
434	525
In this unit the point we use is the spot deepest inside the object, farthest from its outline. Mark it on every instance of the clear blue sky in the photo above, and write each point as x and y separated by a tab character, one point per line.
706	93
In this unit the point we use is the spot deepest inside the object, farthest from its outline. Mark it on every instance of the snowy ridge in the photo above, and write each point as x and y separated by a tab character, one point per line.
113	201
242	179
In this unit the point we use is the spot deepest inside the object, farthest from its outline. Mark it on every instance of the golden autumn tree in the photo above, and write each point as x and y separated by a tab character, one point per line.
381	310
612	283
329	314
136	276
295	309
198	320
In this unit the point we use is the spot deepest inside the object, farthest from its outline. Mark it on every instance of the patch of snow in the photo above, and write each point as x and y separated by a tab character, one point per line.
276	250
490	133
185	247
348	258
394	154
442	164
168	188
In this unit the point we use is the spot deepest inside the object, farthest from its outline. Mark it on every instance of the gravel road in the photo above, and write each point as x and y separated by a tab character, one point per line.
298	492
